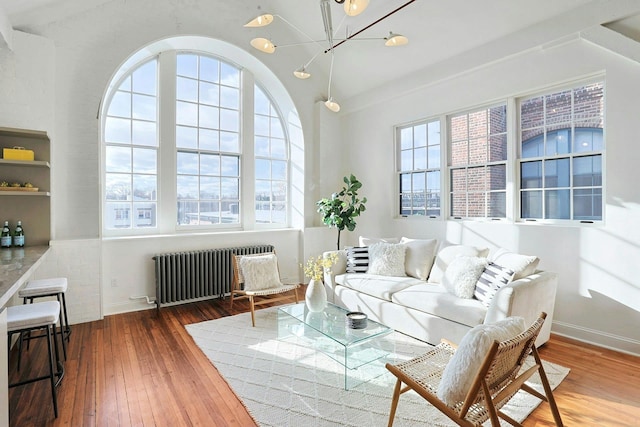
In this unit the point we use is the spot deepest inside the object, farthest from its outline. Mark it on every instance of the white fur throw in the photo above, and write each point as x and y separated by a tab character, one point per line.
386	259
462	274
260	272
459	373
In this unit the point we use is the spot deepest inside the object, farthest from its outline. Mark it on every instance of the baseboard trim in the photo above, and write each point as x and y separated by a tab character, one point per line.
597	338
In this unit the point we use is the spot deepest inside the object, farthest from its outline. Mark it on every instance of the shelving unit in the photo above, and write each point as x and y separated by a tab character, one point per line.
33	208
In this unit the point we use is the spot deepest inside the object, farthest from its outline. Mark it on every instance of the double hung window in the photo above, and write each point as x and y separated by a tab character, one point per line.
477	163
561	147
419	169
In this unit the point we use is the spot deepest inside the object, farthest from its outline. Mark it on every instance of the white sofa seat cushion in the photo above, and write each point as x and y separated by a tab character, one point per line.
382	287
434	299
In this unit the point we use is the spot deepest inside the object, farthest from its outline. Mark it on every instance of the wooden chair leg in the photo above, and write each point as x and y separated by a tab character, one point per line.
295	292
253	314
231	303
394	402
547	390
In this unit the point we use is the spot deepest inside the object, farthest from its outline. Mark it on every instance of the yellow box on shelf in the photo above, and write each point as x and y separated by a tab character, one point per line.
17	153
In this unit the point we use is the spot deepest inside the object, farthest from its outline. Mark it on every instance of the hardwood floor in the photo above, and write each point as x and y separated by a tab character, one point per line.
143	369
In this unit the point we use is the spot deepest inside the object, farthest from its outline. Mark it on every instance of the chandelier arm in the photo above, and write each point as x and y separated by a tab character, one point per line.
311	40
330	75
370	25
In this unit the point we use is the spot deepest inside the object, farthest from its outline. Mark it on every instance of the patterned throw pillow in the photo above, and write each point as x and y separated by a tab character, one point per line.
357	259
492	278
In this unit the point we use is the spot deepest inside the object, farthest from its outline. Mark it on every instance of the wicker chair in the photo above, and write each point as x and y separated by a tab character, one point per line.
499	378
266	296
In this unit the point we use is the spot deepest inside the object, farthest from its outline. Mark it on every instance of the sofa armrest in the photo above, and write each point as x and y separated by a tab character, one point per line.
340	267
527	297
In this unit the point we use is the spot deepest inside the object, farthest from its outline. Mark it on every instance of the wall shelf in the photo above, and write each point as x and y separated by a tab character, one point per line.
33	208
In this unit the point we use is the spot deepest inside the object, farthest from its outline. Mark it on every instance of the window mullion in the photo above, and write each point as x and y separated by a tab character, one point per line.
167	205
247	148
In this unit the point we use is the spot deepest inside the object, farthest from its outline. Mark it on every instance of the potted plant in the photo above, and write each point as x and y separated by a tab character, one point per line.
342	208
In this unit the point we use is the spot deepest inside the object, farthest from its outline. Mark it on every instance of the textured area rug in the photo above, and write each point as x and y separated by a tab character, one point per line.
286	384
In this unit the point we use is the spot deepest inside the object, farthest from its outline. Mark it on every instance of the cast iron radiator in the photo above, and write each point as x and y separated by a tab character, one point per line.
183	277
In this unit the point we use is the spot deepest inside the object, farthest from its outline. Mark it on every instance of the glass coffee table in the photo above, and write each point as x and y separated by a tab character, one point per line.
362	352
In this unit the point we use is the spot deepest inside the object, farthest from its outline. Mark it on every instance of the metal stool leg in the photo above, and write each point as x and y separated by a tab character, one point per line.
66	319
62	328
51	371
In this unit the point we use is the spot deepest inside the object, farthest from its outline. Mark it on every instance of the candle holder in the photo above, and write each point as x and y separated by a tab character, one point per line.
356	320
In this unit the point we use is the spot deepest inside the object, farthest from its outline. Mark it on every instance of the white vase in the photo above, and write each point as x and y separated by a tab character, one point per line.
316	296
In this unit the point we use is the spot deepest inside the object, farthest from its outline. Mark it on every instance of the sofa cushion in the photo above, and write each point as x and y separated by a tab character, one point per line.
491	280
462	274
447	254
461	370
357	259
419	256
368	241
387	259
434	299
522	265
382	287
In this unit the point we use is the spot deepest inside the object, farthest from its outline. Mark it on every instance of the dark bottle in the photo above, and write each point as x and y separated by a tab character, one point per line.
18	236
5	237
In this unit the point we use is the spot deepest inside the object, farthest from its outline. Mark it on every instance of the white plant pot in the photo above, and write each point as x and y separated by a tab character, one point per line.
316	296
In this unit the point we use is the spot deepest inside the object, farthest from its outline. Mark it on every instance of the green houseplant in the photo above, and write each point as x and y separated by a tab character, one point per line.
342	208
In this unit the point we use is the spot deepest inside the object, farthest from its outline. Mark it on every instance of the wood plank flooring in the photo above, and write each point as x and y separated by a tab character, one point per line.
143	369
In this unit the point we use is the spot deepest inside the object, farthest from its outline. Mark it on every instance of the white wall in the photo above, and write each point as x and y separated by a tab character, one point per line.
599	288
59	89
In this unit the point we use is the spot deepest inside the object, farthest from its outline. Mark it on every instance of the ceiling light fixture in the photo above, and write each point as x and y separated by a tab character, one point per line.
351	8
395	40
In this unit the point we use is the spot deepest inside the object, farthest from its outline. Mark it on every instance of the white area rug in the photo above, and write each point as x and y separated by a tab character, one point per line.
284	384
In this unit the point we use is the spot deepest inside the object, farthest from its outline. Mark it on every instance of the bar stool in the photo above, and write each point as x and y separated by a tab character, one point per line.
31	317
54	287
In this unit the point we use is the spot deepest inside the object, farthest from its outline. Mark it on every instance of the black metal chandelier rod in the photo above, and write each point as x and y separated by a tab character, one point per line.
368	26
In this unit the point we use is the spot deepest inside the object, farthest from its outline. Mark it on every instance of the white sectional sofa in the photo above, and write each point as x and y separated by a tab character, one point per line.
428	309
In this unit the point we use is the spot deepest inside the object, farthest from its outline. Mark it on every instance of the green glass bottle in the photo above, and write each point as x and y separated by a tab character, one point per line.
18	236
5	237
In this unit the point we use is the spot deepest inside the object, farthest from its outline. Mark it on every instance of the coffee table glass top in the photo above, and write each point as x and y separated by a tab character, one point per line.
361	352
332	323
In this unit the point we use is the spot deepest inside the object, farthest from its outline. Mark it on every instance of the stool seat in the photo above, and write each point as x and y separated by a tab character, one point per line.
21	320
44	287
30	316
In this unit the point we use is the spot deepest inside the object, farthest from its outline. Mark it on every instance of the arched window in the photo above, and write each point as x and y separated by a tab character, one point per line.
184	148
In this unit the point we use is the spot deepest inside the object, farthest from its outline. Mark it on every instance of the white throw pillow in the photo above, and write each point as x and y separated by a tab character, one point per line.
522	265
462	274
260	272
419	256
459	373
368	241
448	254
387	259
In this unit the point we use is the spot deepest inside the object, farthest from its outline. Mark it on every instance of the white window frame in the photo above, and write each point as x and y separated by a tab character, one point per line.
485	164
166	193
426	170
571	155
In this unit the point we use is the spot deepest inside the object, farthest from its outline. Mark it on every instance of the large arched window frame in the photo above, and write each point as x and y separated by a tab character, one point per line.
255	91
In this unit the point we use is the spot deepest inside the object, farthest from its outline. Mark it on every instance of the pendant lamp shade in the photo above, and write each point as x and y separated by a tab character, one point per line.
260	21
302	73
263	45
395	40
355	7
332	105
